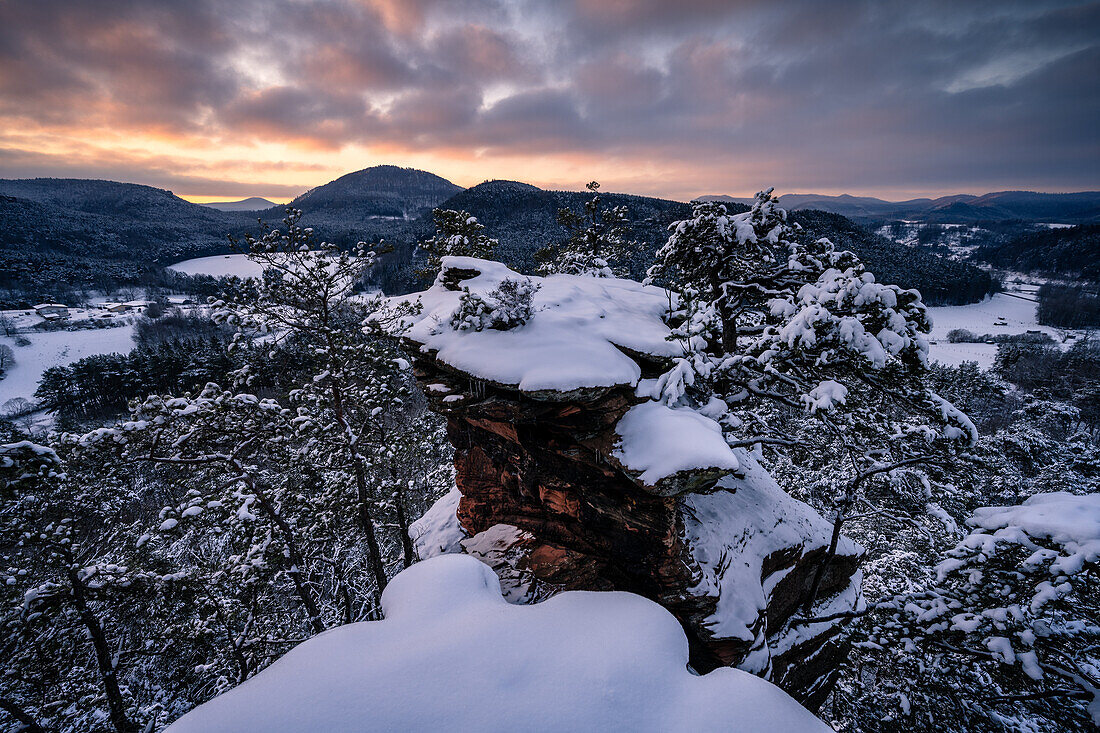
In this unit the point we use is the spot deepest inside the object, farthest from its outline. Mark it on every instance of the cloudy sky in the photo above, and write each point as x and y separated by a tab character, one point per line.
233	98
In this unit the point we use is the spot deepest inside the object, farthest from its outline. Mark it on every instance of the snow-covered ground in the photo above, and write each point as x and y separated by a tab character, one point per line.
24	320
219	266
55	348
453	655
1004	313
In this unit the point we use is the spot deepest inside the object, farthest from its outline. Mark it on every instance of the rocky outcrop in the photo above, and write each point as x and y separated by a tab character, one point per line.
557	491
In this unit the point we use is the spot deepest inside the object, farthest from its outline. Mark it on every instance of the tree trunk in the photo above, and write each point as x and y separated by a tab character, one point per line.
295	555
22	716
115	704
408	553
819	573
362	496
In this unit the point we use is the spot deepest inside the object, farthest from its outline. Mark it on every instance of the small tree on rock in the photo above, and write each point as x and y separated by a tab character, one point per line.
596	239
457	234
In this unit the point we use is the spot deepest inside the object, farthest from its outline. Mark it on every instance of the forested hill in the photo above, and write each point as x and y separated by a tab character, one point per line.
109	220
60	234
99	234
524	219
383	192
1074	208
1071	252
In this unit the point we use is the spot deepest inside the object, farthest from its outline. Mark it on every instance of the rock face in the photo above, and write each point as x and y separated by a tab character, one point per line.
556	491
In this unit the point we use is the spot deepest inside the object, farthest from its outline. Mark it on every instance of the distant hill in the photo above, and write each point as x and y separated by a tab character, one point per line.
65	233
381	192
61	234
372	204
75	233
1067	208
250	204
524	219
1073	252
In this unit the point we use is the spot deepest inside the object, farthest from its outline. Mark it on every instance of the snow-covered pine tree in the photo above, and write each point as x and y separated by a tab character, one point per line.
774	323
233	445
597	241
506	307
1013	610
457	234
72	651
359	382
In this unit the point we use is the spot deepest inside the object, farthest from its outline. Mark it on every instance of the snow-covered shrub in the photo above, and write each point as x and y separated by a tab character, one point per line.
504	308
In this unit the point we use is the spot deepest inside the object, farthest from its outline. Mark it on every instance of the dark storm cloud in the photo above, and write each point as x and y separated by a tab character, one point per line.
844	94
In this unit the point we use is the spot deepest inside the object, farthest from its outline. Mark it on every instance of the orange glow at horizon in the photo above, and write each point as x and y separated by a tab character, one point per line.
210	169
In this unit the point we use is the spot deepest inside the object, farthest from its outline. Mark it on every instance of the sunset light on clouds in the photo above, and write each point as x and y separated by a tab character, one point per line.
246	98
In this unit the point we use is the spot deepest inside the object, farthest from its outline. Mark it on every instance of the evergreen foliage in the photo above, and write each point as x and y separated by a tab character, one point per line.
596	239
457	234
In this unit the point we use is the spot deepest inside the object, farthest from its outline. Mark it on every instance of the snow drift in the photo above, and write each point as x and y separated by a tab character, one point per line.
451	654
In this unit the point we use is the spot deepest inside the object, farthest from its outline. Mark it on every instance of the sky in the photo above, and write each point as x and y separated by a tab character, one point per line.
223	99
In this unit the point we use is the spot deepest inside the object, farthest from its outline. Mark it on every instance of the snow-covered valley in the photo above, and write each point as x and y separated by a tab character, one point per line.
1001	314
57	348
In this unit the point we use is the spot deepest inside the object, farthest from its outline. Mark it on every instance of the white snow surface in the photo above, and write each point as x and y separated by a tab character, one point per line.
730	533
438	531
660	441
1070	520
1003	313
57	348
452	655
571	342
220	266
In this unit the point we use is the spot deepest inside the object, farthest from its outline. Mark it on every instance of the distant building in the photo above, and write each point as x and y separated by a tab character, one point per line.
114	307
137	305
180	300
52	311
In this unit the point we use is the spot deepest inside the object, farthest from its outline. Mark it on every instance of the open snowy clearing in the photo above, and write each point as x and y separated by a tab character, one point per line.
955	354
452	654
1002	314
219	266
56	348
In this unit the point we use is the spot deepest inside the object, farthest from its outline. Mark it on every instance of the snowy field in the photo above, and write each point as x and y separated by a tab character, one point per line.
56	348
219	266
1004	313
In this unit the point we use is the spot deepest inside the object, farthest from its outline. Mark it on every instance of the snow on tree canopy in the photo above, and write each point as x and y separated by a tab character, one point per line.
451	654
1070	521
580	334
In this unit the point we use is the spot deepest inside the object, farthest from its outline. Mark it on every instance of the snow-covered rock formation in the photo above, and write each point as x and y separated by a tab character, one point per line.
452	655
570	477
